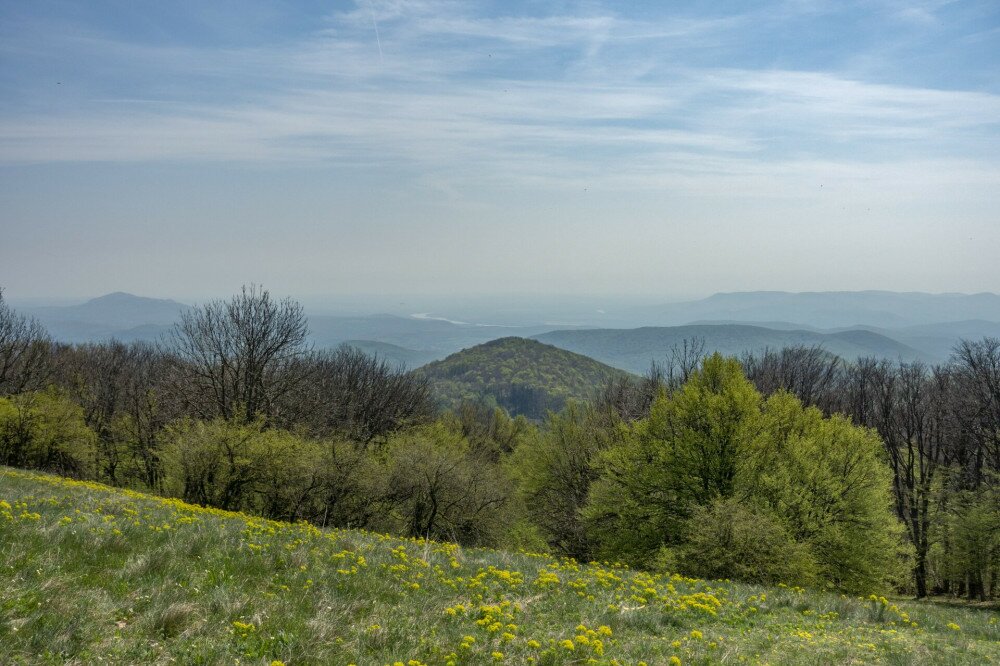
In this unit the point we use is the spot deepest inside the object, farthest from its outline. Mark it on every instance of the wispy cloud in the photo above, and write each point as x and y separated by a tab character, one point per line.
553	97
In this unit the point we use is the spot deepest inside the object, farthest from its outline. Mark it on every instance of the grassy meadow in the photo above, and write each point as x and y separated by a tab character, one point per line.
91	575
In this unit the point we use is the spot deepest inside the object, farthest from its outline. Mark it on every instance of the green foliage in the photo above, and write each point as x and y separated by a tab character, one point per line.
439	490
46	430
686	454
970	527
709	424
827	480
553	472
238	466
212	463
354	487
817	483
729	539
423	481
491	431
523	376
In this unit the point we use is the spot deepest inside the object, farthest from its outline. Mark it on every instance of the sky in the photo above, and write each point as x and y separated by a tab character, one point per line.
665	150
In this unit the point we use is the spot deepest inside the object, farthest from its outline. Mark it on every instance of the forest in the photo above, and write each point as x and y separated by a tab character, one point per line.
788	466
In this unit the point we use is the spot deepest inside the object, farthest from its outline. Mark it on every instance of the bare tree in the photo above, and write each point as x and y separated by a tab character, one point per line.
810	373
685	358
978	367
355	395
912	429
122	390
628	399
24	352
236	359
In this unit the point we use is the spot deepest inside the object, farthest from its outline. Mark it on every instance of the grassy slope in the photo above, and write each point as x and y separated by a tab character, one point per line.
489	368
92	574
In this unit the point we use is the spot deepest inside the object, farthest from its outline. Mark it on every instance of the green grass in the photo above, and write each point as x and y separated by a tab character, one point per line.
90	574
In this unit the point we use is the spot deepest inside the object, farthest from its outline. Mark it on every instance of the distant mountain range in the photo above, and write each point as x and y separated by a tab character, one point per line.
119	315
885	324
936	341
827	309
523	376
400	356
410	341
415	336
635	349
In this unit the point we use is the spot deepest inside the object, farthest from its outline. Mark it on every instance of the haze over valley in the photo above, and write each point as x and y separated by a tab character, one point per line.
907	326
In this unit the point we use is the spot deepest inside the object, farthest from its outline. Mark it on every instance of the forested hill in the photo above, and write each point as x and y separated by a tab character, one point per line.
523	376
634	349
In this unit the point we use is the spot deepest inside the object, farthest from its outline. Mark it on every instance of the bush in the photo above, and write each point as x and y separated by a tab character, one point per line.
439	490
235	466
729	539
553	470
45	430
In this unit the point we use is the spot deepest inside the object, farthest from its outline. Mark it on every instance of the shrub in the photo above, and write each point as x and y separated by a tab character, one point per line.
729	539
45	430
439	490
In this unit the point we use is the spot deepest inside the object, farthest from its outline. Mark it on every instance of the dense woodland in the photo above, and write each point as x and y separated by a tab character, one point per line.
787	466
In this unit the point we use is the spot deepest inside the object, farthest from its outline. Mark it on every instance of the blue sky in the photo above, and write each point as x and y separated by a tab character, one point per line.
675	149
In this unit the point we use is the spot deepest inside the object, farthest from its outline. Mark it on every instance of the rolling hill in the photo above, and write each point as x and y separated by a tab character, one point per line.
524	376
634	349
937	341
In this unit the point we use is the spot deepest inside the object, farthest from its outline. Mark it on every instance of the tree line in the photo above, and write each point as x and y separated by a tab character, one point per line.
785	466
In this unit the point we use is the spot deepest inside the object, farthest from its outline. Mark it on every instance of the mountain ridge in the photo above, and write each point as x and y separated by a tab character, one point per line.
635	349
828	309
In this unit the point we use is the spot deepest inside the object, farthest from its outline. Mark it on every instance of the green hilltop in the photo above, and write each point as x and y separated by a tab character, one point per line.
524	376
